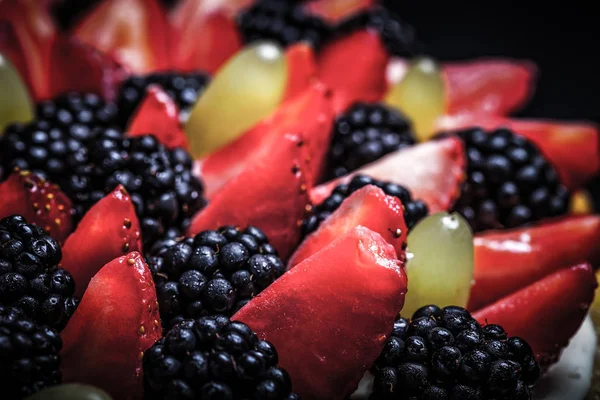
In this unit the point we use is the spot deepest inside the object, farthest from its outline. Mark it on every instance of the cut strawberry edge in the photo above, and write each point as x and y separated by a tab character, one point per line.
353	78
115	322
572	147
334	11
546	313
308	114
270	193
369	207
433	172
158	114
108	230
302	69
509	260
488	86
39	201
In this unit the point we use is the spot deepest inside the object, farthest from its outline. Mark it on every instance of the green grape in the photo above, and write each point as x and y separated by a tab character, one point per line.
420	95
244	91
70	391
15	103
439	262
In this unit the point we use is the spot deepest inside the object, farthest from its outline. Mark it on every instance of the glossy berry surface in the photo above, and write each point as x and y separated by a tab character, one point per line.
29	276
215	272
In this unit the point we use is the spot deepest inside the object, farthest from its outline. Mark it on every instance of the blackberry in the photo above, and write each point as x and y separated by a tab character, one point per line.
397	36
414	210
365	133
29	276
446	354
184	89
215	272
509	182
162	187
214	358
72	108
284	22
30	355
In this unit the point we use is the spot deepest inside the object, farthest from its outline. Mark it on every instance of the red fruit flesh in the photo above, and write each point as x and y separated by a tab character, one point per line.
116	321
432	171
308	114
330	315
369	207
108	230
335	10
495	87
220	37
158	115
508	260
547	313
351	77
302	69
133	32
75	66
270	193
572	147
39	201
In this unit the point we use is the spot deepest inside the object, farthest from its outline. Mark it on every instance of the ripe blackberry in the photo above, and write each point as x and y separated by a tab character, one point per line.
215	272
509	182
30	355
159	180
284	22
414	210
396	35
214	358
184	89
29	276
71	108
446	354
365	133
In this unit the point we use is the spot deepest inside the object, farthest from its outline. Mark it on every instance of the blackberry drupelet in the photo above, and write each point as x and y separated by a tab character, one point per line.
284	22
72	108
214	358
414	210
162	187
215	272
365	133
29	276
509	182
30	355
184	89
396	35
446	354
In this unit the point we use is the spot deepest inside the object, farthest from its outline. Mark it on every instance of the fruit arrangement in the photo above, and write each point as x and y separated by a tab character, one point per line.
262	199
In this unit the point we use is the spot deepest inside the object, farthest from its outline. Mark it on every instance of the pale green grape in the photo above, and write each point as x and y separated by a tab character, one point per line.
244	91
439	262
15	103
70	391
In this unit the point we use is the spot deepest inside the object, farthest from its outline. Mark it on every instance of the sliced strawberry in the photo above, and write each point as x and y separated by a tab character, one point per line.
220	37
271	194
506	261
432	171
495	87
302	69
158	114
133	32
39	201
75	66
308	114
354	67
573	147
369	207
330	315
547	313
108	230
335	10
116	321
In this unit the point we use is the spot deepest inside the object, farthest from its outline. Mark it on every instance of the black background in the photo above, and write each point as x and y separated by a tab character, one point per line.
563	40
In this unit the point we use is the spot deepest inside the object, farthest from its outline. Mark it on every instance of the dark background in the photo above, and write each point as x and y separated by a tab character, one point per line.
564	41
